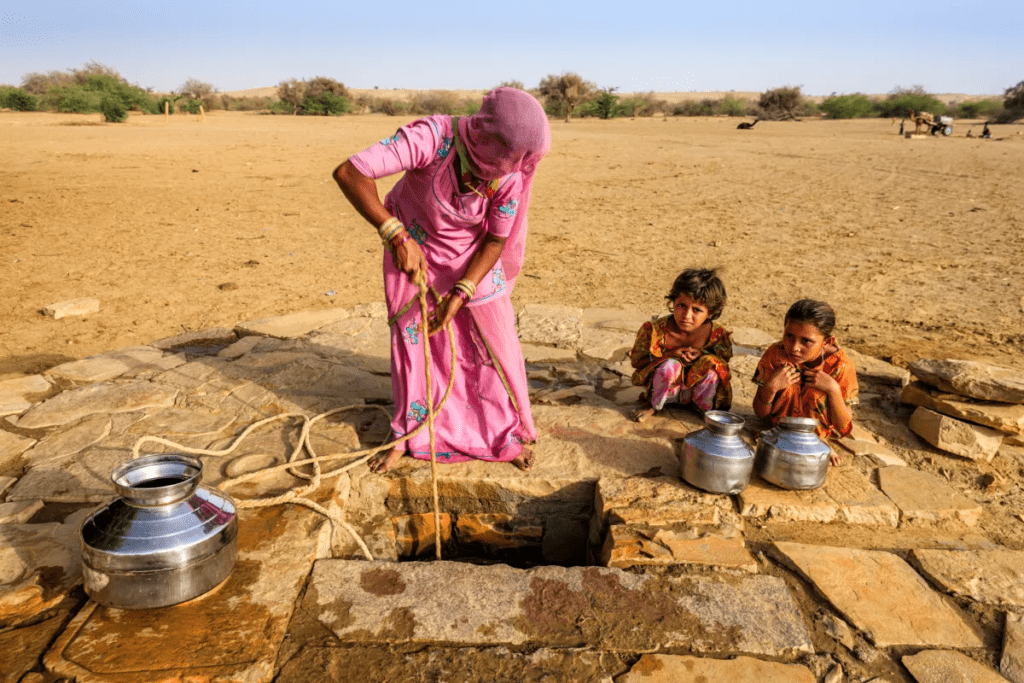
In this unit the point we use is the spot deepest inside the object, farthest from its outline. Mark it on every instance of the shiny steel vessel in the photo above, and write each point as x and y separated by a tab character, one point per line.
165	540
792	456
715	458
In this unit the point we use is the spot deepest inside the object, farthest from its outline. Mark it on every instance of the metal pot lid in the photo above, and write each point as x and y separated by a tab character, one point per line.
799	424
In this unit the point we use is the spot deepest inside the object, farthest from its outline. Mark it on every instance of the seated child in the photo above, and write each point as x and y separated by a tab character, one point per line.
807	374
683	357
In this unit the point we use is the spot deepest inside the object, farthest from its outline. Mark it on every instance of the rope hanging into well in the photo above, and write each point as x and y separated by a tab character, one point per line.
299	495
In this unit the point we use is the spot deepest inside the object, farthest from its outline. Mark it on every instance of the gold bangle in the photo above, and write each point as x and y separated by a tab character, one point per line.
467	285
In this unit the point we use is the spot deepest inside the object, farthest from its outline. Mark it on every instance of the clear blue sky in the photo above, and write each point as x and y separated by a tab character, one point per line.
823	46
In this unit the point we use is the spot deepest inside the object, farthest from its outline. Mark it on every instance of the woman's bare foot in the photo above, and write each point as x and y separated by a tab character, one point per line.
382	462
641	414
524	460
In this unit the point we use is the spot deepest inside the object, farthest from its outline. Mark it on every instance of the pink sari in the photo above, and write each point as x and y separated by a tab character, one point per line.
487	416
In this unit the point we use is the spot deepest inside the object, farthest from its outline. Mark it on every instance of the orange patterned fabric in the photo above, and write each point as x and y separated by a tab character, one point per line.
800	401
649	352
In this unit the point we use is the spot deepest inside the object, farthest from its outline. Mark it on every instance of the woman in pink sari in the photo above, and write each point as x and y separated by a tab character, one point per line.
459	214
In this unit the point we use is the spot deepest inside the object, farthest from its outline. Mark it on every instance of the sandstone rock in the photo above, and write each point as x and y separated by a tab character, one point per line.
969	378
628	545
172	422
106	365
13	445
81	478
17	395
607	345
879	453
497	532
956	437
869	367
840	630
240	347
553	396
377	602
991	577
39	566
292	325
761	499
415	536
363	343
860	502
83	306
232	633
747	341
879	594
6	483
923	497
54	446
1006	417
75	404
944	666
160	365
198	339
547	324
685	669
1011	665
663	501
22	647
19	512
190	376
537	353
619	320
628	396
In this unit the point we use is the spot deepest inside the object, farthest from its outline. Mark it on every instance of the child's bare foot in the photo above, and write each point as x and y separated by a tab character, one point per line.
382	462
641	414
524	460
836	459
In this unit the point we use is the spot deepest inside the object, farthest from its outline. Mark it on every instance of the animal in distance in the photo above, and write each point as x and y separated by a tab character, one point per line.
747	126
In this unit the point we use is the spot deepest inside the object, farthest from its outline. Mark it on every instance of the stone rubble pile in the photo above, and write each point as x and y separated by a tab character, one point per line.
966	408
600	564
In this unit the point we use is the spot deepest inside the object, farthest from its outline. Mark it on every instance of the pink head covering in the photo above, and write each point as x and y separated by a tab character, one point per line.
509	134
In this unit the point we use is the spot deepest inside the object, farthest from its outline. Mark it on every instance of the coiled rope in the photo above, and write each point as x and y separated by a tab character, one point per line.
299	495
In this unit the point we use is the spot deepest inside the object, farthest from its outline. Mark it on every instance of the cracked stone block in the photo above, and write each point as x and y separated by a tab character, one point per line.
970	378
654	668
944	666
991	577
879	594
955	436
108	365
545	324
869	367
292	325
1005	417
1011	665
64	309
628	545
415	535
923	497
12	446
74	404
211	337
17	395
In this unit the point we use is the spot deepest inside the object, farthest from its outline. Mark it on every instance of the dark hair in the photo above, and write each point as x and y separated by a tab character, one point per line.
817	313
703	285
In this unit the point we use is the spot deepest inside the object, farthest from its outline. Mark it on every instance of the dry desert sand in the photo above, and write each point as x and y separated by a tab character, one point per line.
181	225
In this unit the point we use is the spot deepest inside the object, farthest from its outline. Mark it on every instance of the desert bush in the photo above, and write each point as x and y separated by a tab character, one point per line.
189	106
855	106
159	104
1013	104
292	92
436	102
511	84
247	103
325	104
195	89
980	109
643	105
113	109
322	84
778	104
565	92
730	106
704	107
901	101
71	99
17	99
606	103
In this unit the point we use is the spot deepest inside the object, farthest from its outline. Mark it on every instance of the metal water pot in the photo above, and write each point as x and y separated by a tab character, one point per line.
164	541
715	458
792	456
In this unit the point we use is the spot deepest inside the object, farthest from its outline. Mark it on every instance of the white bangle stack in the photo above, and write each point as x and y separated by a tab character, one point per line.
389	228
466	285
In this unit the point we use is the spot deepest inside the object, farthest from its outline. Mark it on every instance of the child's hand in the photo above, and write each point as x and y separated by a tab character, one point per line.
814	377
785	376
687	354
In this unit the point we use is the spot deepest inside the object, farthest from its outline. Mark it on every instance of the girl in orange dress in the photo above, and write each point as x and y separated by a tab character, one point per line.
684	357
807	374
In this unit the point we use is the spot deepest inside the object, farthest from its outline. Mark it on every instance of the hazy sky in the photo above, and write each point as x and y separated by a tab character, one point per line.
823	46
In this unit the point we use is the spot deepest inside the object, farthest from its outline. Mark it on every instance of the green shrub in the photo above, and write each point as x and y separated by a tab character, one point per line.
160	105
17	99
437	102
705	107
606	103
471	107
777	104
644	105
982	109
901	101
114	109
72	99
325	104
730	106
189	106
855	106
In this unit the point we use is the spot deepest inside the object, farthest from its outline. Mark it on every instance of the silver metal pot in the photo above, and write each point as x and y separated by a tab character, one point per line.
715	458
164	541
792	456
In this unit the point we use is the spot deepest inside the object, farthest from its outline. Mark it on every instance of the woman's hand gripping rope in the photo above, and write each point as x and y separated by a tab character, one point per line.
317	477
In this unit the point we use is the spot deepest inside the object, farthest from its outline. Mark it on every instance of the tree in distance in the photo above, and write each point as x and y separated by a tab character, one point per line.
566	92
1013	102
194	89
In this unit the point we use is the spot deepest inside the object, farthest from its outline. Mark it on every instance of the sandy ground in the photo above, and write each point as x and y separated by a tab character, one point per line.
183	225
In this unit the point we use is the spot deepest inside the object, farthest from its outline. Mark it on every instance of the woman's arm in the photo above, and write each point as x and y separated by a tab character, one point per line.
361	192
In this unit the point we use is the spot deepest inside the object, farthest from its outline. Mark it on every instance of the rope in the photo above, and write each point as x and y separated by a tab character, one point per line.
316	478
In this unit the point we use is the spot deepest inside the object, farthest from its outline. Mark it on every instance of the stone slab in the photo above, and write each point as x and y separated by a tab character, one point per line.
860	501
106	366
388	603
12	446
17	395
876	451
6	483
1006	417
462	665
292	325
879	594
559	326
1011	664
240	347
19	512
617	319
685	669
66	443
538	353
944	666
869	367
605	345
197	339
39	566
75	404
970	378
81	478
232	633
761	499
661	501
955	436
21	648
923	497
363	343
628	545
991	577
750	341
64	309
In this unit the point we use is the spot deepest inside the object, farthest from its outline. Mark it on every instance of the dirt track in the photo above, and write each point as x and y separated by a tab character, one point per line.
918	244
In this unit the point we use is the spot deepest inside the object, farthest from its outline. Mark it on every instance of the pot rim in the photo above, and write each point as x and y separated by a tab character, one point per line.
128	476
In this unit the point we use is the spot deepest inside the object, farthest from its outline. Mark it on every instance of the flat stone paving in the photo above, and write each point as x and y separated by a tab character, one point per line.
687	572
